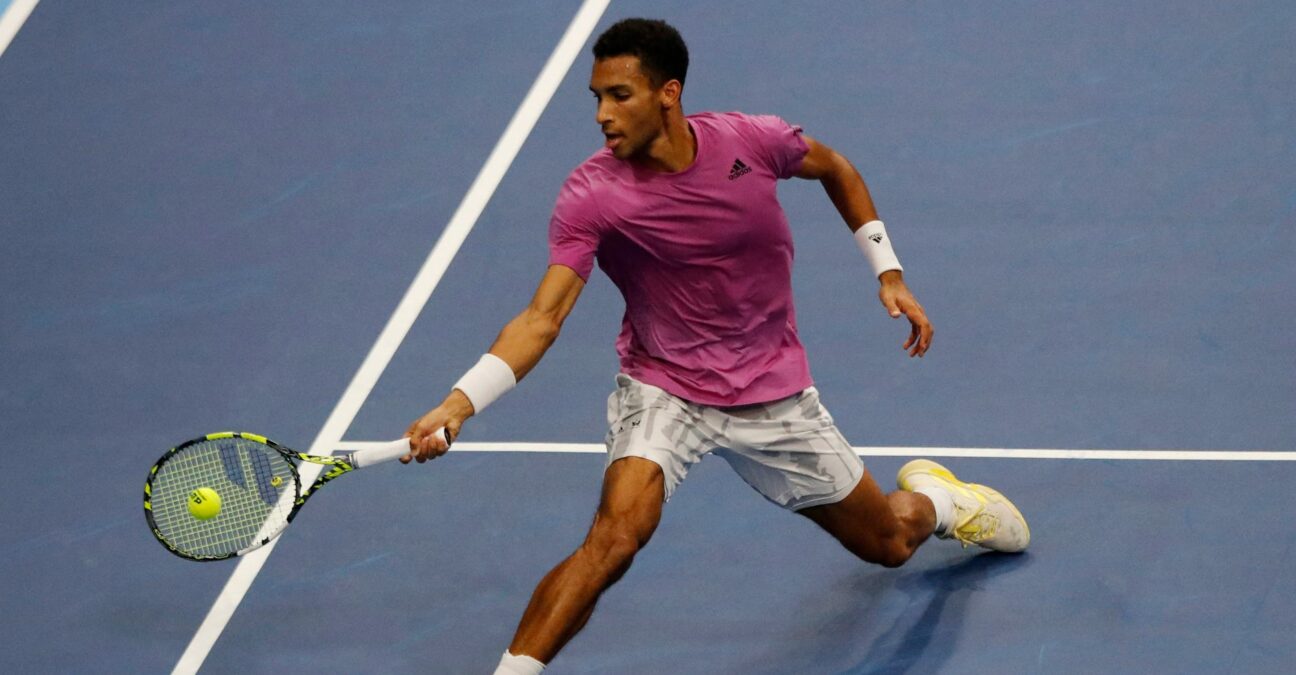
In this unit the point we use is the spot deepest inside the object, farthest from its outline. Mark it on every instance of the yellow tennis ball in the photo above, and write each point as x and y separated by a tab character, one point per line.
204	503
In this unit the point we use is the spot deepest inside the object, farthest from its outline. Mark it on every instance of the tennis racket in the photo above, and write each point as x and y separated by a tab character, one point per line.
229	493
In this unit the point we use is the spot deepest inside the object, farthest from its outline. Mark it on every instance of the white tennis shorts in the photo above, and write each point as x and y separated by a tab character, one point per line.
788	450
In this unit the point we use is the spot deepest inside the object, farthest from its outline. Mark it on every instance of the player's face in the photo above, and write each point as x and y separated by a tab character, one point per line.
630	110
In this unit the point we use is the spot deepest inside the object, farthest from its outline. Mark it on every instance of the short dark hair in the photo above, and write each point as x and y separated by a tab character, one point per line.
663	56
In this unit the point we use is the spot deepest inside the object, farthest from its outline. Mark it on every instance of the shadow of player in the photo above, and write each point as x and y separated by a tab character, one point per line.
913	635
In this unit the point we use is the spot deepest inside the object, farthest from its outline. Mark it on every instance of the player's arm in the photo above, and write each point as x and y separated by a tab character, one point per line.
520	346
846	189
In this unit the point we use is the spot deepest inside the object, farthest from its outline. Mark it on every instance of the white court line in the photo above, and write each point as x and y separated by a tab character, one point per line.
398	326
13	19
994	453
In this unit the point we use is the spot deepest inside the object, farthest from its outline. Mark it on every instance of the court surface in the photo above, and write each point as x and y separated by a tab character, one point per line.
210	211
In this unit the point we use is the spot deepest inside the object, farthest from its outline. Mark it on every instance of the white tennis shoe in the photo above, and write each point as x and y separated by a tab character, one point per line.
982	516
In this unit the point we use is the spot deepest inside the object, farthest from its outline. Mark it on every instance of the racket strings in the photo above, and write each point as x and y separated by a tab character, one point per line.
257	487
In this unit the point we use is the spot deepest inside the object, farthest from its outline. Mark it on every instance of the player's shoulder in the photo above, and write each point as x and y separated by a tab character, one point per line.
590	182
598	169
731	120
746	125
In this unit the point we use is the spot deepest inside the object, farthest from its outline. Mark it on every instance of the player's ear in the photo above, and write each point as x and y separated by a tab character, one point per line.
670	93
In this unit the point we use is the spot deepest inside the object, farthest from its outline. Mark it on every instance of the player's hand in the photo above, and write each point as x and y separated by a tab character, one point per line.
898	300
425	443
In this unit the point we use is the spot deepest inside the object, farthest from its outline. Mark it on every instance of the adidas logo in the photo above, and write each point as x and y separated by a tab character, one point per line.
876	238
739	170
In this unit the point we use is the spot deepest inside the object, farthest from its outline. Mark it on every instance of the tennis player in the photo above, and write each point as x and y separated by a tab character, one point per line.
681	214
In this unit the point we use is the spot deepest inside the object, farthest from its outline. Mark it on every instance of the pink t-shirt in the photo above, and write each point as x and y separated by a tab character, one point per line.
702	257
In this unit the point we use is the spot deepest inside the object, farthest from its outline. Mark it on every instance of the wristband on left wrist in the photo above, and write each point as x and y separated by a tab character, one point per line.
876	246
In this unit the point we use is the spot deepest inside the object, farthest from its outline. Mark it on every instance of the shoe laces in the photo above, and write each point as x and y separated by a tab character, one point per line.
977	527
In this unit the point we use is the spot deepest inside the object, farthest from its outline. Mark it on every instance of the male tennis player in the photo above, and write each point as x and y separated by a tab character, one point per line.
680	212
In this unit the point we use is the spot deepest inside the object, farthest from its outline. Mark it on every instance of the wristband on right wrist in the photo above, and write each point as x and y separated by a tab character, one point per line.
876	246
485	382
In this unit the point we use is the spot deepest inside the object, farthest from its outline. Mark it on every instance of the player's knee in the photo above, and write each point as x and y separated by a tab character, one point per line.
885	551
610	551
893	555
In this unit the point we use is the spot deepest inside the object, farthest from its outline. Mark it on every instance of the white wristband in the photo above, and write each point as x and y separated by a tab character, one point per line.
876	245
490	379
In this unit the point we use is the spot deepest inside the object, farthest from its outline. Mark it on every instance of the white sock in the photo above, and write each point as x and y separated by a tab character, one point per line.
944	507
518	665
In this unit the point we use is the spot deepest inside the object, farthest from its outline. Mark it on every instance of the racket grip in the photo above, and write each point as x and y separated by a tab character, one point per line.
386	452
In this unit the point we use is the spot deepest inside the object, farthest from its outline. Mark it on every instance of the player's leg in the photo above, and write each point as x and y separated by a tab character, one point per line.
880	528
792	453
887	529
653	439
628	513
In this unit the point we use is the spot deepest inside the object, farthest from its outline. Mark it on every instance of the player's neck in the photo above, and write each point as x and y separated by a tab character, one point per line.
674	150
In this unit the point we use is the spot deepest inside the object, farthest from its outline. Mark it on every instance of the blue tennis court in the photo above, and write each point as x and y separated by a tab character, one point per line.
210	212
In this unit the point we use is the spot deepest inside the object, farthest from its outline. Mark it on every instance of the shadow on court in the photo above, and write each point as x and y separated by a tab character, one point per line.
926	631
876	621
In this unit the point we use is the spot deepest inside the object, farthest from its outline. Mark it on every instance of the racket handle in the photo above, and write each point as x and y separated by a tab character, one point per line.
385	452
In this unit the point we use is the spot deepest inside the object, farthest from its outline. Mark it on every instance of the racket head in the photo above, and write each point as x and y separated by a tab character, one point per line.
257	483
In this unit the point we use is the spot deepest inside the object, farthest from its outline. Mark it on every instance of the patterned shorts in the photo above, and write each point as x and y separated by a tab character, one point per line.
788	450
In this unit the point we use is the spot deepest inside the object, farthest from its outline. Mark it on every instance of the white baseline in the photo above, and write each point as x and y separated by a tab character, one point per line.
884	451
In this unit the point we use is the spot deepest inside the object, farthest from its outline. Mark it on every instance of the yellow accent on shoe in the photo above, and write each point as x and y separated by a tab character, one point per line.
982	515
